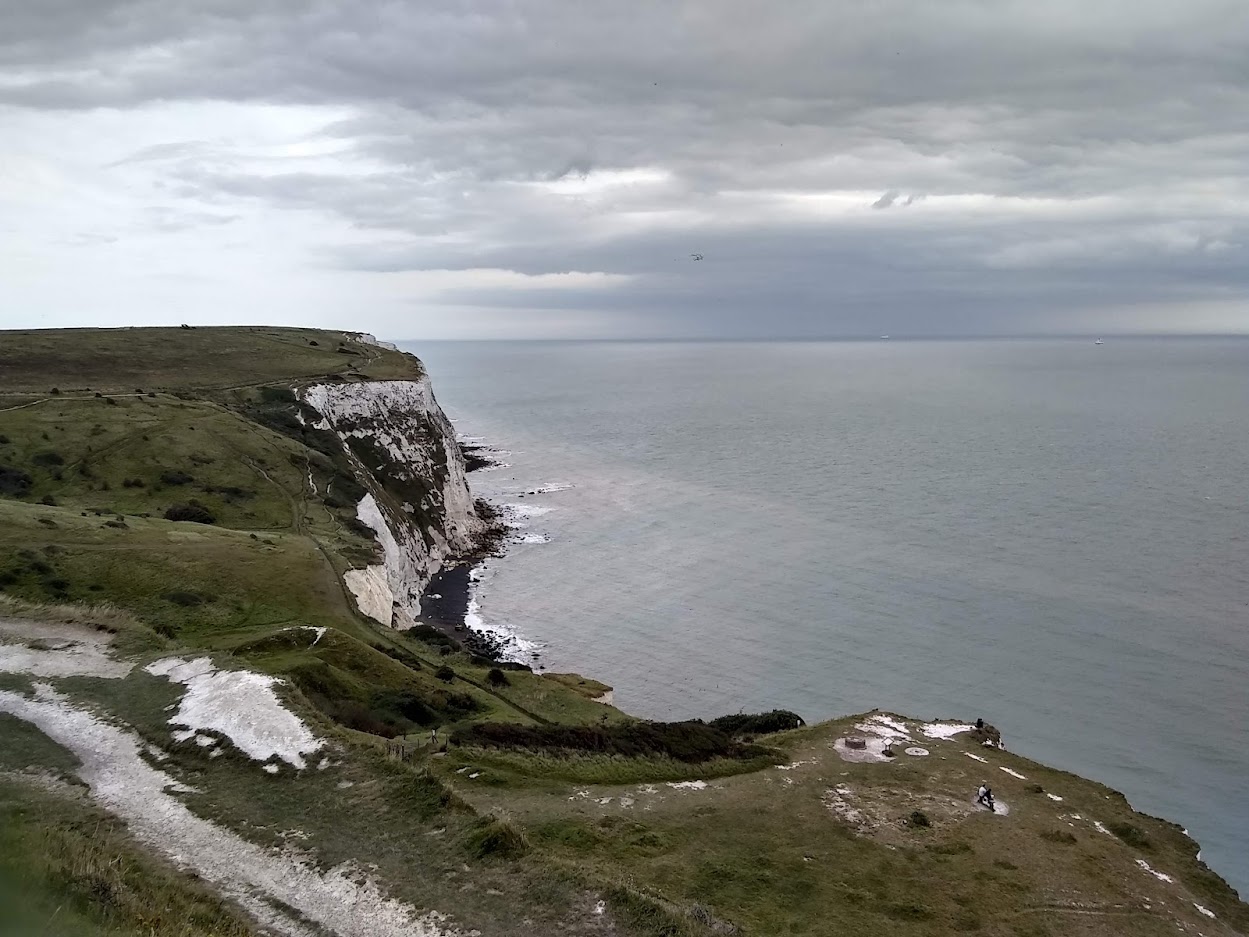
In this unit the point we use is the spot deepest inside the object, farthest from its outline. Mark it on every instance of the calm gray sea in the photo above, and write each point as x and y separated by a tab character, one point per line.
1049	534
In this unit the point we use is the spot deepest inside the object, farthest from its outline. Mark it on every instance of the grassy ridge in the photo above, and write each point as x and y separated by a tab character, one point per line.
124	361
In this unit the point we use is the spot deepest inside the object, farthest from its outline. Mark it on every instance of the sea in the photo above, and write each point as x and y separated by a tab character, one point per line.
1049	534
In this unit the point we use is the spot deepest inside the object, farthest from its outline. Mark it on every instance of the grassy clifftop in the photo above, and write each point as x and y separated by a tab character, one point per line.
536	810
117	361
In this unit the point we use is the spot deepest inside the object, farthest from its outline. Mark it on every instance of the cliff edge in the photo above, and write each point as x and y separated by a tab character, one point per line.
218	718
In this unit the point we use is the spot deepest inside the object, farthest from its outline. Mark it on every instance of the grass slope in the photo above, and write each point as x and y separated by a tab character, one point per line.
522	839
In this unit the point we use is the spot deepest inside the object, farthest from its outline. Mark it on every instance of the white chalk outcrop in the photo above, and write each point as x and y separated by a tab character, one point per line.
418	503
284	890
240	705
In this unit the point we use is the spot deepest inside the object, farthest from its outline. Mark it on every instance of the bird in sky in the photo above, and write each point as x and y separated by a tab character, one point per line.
697	256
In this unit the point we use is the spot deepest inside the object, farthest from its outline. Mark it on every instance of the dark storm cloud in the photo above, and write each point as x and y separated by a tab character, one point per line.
1066	154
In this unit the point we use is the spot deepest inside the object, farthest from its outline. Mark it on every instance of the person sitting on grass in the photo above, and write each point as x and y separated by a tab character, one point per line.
984	796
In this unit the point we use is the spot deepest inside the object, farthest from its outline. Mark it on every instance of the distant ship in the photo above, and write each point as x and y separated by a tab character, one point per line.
884	336
1099	342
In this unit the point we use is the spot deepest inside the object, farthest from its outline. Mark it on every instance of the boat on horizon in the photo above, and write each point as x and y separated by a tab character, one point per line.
1099	342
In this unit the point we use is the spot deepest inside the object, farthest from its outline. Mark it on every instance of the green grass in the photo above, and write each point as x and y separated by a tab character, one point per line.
762	850
120	361
68	868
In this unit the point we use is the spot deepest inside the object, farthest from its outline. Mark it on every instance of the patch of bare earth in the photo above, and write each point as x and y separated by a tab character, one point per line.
884	813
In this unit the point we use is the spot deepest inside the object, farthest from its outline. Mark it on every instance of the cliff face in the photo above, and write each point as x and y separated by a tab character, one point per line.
417	502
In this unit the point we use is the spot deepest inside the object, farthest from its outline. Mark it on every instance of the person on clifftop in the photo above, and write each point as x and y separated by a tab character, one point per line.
984	796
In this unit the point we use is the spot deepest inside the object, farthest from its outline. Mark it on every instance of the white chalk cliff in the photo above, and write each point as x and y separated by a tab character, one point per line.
418	503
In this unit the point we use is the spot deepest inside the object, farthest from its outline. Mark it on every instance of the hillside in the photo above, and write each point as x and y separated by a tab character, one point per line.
216	714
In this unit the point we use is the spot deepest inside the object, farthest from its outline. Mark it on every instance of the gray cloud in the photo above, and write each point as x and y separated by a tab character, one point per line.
1050	157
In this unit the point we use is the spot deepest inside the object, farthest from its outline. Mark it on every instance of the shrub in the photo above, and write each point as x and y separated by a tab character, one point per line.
14	481
277	395
119	524
1132	835
176	478
57	584
778	720
132	483
907	912
495	837
192	512
165	629
186	599
497	677
445	673
229	492
46	459
56	391
1058	836
4	440
1035	789
691	742
47	499
918	819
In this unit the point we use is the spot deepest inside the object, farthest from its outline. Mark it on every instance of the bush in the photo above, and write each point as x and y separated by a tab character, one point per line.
176	478
778	720
186	599
56	391
445	673
4	440
277	395
691	742
497	677
1132	835
229	492
918	819
495	837
1058	836
46	459
132	483
194	513
119	524
48	499
14	481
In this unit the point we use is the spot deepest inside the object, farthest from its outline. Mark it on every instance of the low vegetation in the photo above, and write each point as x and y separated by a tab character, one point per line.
691	742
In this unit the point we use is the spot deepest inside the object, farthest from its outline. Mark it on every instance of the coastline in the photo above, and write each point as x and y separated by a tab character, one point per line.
449	602
456	611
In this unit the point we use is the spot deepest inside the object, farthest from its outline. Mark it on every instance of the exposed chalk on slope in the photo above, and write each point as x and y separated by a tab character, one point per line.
239	704
342	900
62	659
944	730
1160	876
372	590
1013	774
407	447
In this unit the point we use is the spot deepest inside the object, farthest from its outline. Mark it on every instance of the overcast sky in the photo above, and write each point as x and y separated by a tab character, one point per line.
547	169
